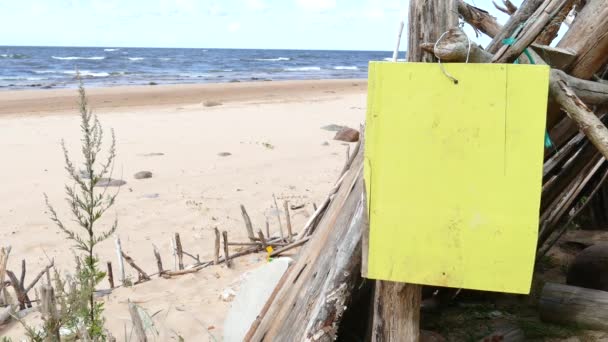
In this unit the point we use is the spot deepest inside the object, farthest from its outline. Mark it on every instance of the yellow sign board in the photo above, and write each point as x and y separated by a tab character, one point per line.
454	173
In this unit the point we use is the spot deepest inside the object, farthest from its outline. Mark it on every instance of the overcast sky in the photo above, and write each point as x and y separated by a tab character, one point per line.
275	24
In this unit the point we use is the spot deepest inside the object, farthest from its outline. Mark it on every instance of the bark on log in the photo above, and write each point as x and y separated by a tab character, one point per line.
508	53
550	32
587	36
319	284
564	304
523	13
478	18
428	20
586	120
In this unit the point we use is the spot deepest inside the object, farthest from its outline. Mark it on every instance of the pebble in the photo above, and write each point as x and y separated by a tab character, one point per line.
143	175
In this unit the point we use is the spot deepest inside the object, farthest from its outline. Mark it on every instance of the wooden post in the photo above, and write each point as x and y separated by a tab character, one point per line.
180	251
428	20
398	320
138	325
216	255
288	220
397	306
159	262
110	275
226	254
248	224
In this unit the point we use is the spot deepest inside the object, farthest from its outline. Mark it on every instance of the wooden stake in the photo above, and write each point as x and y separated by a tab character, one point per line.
18	288
288	220
216	259
38	276
110	274
23	269
262	239
49	311
174	252
267	228
248	224
138	325
396	52
278	217
159	262
179	250
143	276
4	253
226	254
121	263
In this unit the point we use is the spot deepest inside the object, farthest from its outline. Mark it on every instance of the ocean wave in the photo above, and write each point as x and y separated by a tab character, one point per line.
346	68
313	68
13	56
165	58
388	59
110	50
136	58
70	58
273	59
45	71
86	73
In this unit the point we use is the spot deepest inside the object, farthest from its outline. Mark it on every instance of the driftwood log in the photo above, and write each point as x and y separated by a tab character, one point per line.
564	304
319	284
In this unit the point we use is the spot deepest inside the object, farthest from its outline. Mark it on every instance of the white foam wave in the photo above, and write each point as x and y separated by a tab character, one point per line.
44	71
314	68
110	50
95	58
388	59
165	59
136	58
346	68
86	73
273	59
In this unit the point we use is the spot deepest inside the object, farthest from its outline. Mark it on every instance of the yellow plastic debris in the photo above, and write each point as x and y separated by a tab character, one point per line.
454	173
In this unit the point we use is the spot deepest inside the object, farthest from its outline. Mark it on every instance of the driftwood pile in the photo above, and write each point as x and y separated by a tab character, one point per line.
309	302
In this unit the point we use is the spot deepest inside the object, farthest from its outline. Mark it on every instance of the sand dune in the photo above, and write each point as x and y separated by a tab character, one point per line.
271	131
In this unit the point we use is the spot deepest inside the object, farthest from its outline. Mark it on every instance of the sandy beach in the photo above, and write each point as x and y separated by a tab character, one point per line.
271	131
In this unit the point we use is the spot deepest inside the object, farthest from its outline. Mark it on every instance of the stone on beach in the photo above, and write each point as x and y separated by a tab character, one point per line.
143	175
347	134
109	182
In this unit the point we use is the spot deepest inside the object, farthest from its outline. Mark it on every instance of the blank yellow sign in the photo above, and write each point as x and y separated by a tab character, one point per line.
454	173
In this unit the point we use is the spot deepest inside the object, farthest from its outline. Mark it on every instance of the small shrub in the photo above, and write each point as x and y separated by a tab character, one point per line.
87	205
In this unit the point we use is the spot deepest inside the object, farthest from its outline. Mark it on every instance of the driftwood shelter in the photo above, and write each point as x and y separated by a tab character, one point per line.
323	284
323	296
